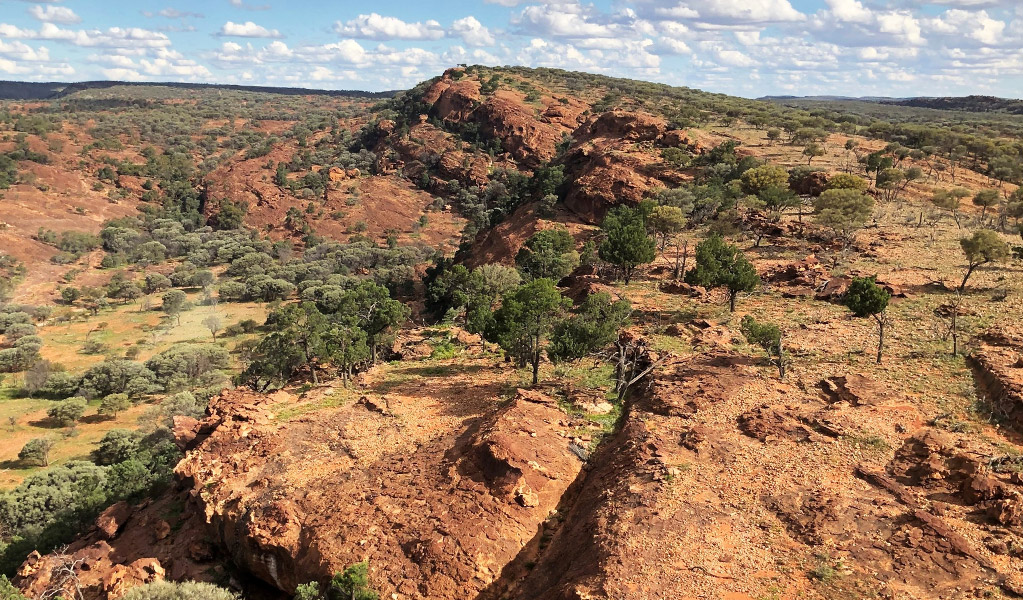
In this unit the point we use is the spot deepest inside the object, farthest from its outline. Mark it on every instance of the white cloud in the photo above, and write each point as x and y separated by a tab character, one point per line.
850	24
55	14
378	27
243	5
671	46
976	26
247	29
850	11
902	25
21	51
173	13
114	37
35	71
733	58
716	12
565	20
472	32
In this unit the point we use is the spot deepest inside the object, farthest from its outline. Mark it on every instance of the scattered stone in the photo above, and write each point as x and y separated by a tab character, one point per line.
111	520
161	530
856	390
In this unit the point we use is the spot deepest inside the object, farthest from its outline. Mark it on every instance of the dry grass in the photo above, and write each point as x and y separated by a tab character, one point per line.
119	328
125	326
825	339
30	422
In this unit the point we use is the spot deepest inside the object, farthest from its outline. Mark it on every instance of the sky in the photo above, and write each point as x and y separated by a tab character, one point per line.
748	48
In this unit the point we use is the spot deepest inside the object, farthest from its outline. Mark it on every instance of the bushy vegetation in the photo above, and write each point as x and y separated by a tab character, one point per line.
20	346
183	590
50	507
351	584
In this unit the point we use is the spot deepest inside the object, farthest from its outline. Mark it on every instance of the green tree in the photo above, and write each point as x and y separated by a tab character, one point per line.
37	452
70	294
525	320
281	175
668	223
986	199
812	151
867	299
626	244
303	325
890	182
847	181
760	178
155	282
346	345
877	162
676	157
767	336
594	326
67	412
115	375
352	584
548	254
114	404
378	313
720	264
951	200
117	445
186	365
984	246
183	404
173	302
8	591
231	214
275	359
843	211
777	199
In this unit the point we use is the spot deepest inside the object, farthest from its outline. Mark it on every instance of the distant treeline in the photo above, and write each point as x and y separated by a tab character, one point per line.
23	90
965	103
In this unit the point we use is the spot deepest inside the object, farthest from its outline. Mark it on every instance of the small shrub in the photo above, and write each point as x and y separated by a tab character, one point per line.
67	412
36	452
185	590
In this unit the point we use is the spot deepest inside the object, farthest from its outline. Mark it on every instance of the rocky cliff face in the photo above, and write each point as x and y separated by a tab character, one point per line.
997	366
612	157
719	481
719	486
129	546
438	497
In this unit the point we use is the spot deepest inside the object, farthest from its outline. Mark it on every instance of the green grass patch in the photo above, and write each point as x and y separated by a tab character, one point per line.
288	411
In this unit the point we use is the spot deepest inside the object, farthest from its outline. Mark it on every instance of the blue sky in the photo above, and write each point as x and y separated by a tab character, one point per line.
743	47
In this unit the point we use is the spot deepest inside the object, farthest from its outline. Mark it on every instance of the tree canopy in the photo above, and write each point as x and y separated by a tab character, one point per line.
626	244
720	264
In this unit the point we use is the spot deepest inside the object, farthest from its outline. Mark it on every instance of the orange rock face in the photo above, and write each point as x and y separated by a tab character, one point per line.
438	507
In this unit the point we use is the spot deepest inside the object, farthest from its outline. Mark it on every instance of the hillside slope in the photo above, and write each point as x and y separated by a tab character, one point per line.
848	476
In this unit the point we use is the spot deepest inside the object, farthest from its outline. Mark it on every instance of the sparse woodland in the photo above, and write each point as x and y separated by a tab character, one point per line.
667	269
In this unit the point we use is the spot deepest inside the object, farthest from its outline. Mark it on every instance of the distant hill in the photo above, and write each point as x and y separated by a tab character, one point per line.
24	90
977	104
966	103
883	99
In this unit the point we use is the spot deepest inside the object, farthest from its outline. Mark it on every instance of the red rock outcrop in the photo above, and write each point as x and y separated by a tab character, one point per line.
527	137
604	170
997	366
706	490
438	508
129	546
